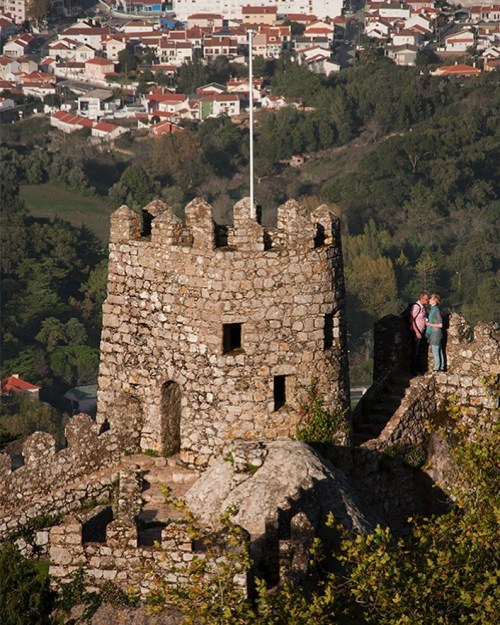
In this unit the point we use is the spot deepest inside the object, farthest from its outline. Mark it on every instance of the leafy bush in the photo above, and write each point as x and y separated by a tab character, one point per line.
25	595
318	425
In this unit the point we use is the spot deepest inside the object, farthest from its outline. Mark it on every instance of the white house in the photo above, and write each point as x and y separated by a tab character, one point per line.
420	21
485	13
96	103
322	64
166	102
137	26
113	46
319	30
17	9
215	45
84	53
233	9
9	67
85	33
18	46
266	45
219	104
98	68
107	132
205	20
378	29
394	11
175	52
402	55
460	41
241	86
67	122
278	102
312	51
407	36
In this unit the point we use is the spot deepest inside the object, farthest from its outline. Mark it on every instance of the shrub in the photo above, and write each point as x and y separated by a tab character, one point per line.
25	595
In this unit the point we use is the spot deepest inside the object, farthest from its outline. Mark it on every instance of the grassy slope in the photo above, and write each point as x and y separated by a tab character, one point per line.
47	200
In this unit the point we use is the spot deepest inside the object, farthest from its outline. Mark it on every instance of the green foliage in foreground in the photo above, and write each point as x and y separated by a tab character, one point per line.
445	572
25	595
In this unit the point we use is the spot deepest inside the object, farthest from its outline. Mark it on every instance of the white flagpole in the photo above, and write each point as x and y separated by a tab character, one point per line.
250	84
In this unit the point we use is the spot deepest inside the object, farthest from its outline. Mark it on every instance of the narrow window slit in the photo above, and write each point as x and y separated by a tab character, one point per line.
231	337
279	391
328	331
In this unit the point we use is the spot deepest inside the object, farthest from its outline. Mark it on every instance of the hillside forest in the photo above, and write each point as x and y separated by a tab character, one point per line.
410	162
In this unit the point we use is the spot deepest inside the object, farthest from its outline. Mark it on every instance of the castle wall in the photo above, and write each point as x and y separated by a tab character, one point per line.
170	295
109	545
472	355
52	483
379	467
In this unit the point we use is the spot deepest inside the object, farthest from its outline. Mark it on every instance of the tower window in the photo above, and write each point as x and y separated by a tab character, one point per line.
279	391
328	331
231	337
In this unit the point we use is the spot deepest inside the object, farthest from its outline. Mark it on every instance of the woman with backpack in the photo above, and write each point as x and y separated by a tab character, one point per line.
434	332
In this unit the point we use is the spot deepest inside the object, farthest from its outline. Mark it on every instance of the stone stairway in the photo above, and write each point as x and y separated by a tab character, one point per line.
370	425
159	473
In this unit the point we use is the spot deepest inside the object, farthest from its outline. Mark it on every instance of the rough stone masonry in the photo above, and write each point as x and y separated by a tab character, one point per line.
208	339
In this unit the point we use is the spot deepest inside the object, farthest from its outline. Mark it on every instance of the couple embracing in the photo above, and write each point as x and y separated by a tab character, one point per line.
426	321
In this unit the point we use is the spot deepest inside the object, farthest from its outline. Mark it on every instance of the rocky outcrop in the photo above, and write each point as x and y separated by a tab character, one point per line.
276	478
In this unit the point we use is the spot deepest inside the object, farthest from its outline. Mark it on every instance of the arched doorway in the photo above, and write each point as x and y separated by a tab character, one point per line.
171	418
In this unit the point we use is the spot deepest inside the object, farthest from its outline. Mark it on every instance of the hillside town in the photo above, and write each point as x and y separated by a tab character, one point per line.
116	66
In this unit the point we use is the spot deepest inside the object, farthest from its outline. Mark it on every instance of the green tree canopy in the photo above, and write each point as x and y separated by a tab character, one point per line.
192	74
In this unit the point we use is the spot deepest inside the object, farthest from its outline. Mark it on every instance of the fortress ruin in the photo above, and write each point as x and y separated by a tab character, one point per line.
211	339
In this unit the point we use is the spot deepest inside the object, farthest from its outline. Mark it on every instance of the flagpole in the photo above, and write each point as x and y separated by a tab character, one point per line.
250	84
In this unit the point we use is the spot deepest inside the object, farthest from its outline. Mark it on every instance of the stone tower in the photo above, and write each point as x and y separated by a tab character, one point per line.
212	335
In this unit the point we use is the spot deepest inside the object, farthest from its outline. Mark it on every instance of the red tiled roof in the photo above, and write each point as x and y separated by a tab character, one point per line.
166	127
72	120
459	68
5	22
75	30
97	60
259	10
105	127
166	44
9	85
222	97
15	384
201	16
299	17
166	97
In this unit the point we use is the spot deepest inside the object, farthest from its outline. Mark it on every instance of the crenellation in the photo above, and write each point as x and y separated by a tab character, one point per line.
200	223
126	225
38	447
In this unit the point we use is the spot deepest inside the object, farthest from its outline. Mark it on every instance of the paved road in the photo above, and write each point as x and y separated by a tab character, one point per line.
357	392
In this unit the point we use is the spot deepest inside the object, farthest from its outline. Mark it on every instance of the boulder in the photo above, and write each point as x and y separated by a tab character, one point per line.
276	480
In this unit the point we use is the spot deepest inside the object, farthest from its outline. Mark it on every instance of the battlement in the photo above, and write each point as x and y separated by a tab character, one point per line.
158	225
216	333
45	470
